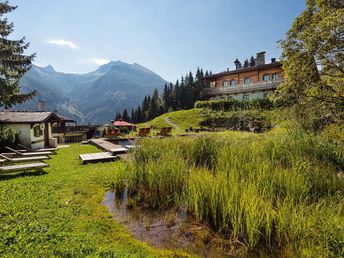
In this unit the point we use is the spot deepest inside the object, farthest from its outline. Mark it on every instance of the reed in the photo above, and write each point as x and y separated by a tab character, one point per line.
278	190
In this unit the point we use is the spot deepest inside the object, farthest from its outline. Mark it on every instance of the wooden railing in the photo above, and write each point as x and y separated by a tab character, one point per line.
242	88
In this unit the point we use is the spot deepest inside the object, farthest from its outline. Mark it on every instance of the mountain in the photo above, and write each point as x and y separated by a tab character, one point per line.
93	97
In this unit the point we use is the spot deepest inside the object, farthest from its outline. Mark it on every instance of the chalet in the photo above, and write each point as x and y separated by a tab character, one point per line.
33	129
67	131
253	81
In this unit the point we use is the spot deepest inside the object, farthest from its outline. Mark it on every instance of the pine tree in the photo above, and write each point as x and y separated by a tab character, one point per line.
132	116
118	116
13	62
125	116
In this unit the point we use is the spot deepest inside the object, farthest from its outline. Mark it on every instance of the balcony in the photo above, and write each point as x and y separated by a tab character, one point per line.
243	88
71	129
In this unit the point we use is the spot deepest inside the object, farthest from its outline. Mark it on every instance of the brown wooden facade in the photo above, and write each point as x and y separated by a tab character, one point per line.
253	82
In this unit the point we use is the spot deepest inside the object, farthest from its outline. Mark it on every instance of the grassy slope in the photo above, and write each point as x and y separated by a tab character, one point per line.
60	213
183	118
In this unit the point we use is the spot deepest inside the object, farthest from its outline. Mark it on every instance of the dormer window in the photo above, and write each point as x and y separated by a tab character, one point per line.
266	77
275	76
247	80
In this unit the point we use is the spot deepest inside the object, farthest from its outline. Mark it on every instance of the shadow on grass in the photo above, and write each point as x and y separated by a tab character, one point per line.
9	176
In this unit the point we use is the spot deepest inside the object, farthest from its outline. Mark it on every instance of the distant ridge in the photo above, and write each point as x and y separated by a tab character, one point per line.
94	97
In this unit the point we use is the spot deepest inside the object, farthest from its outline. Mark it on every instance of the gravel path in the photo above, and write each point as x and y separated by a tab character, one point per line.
172	124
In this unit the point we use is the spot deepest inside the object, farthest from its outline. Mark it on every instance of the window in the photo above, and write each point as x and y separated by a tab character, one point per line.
232	83
247	80
224	84
246	97
266	77
212	84
275	76
37	131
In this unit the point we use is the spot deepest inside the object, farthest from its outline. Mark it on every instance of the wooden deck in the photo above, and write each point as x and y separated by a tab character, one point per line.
108	146
97	157
23	167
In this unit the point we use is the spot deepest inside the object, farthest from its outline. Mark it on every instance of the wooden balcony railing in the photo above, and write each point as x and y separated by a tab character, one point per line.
243	88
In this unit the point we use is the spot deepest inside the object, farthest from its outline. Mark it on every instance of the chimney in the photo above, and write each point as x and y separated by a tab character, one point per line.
42	105
260	58
273	60
56	112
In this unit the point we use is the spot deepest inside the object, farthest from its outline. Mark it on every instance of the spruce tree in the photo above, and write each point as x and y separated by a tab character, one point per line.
13	62
125	115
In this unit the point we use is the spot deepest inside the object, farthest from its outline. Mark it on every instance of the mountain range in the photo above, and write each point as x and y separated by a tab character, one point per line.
93	97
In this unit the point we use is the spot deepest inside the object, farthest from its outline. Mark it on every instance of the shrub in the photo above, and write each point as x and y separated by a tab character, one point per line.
7	136
233	104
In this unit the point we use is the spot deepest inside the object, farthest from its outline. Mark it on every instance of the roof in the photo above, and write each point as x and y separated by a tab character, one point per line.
26	117
242	70
66	119
122	123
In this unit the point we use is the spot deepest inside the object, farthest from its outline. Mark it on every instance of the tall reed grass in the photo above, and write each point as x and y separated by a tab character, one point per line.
278	190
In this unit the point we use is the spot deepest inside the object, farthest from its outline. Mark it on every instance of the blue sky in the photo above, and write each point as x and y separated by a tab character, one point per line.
170	37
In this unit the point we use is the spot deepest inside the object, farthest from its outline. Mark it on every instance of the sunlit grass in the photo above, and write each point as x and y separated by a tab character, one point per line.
278	191
59	214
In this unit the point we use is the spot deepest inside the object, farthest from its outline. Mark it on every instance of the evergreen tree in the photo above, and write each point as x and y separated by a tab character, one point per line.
140	118
125	115
132	116
13	62
118	116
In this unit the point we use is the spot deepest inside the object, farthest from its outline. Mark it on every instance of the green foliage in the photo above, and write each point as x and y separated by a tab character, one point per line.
13	62
59	214
313	64
278	191
245	120
7	136
232	104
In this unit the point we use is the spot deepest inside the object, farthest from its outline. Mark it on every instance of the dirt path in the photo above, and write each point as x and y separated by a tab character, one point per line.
172	124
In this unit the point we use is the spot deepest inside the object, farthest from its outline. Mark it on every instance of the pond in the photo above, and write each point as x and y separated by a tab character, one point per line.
169	229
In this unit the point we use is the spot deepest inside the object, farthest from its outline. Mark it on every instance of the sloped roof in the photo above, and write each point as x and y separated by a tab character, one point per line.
122	123
242	70
26	117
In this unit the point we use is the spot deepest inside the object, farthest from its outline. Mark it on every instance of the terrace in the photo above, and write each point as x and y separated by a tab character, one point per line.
243	88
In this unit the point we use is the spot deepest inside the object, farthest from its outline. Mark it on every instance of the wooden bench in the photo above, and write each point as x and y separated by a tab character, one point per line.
165	131
29	153
97	157
23	167
144	132
22	159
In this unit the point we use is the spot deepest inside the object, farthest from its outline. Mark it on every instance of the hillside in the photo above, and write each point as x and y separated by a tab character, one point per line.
184	119
93	97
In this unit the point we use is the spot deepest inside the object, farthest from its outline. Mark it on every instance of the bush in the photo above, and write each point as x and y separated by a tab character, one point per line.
232	104
7	136
245	120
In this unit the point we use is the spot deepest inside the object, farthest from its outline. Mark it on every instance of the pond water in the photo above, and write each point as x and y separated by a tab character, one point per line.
170	229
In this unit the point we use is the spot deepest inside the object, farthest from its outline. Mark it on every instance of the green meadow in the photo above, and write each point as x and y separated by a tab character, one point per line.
58	213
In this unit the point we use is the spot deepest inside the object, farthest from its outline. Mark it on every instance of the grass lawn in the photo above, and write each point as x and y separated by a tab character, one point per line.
183	118
59	213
